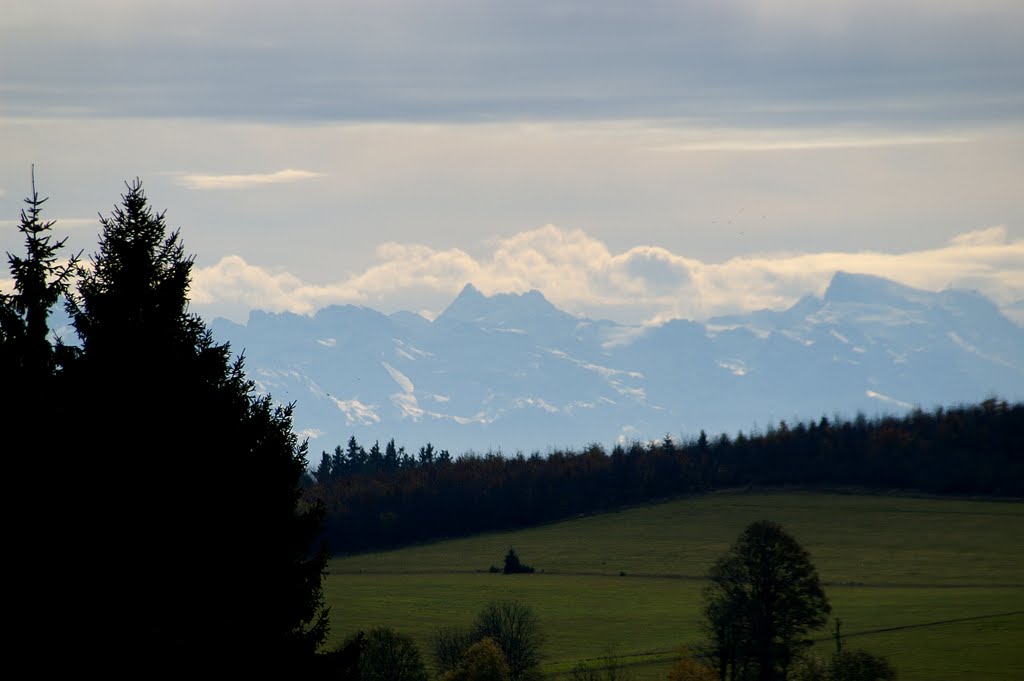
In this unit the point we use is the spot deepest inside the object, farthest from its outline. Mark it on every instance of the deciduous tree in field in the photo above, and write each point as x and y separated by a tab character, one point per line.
482	661
764	597
387	655
515	628
511	625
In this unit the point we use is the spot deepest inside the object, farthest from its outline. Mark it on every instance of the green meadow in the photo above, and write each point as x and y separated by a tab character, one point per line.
937	585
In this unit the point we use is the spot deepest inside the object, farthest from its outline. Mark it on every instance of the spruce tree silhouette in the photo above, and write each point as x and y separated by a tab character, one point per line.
27	358
189	506
28	361
31	392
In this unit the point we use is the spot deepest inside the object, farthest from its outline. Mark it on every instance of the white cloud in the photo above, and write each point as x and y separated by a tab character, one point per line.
245	181
309	433
539	403
992	236
582	275
233	279
888	400
357	412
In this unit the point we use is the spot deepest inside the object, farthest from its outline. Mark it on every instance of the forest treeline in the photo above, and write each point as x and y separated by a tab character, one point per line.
378	498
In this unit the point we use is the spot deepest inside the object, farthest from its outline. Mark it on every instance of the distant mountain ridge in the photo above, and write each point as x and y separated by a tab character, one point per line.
512	372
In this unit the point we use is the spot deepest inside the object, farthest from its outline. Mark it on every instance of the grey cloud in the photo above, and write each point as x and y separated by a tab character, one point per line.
485	60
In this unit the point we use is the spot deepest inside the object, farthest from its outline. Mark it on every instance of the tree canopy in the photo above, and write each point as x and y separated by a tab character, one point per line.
175	484
27	358
482	661
512	626
32	397
513	565
764	596
388	655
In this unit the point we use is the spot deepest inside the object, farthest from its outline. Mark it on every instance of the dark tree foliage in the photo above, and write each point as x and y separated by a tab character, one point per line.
33	398
342	663
512	625
860	665
516	630
29	362
188	504
371	503
27	358
448	645
764	597
482	661
389	656
514	566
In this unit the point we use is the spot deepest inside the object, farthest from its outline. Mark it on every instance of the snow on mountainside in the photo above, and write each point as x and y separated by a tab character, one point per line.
513	372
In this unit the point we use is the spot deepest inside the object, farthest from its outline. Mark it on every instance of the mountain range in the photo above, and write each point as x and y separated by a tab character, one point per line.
511	372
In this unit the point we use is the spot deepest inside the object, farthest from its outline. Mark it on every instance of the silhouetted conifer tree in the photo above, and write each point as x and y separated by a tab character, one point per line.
391	461
33	397
189	519
323	471
28	360
40	280
513	566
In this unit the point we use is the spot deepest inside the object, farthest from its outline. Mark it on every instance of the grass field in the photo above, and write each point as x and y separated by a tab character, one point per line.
937	585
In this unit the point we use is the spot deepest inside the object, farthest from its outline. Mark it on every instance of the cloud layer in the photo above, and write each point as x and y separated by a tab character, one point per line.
410	59
583	275
245	181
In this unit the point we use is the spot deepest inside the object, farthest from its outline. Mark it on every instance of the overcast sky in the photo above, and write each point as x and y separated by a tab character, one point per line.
633	160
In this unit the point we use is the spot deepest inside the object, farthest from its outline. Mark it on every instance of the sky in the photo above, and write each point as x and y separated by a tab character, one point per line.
636	161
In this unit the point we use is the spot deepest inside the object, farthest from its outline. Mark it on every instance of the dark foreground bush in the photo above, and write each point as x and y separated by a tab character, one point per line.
390	656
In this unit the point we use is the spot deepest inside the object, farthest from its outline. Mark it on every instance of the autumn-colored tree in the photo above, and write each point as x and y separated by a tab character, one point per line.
482	661
689	668
511	625
515	628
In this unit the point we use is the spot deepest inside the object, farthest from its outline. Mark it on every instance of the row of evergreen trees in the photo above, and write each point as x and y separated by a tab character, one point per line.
158	496
970	449
356	459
